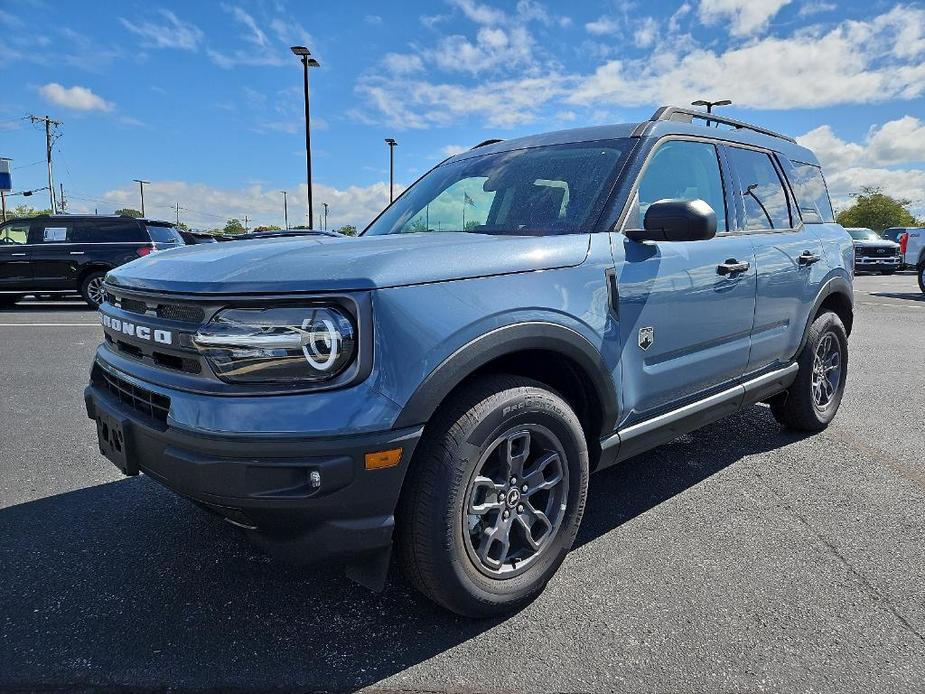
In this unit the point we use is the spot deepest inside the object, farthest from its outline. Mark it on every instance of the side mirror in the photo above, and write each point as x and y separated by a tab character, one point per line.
676	220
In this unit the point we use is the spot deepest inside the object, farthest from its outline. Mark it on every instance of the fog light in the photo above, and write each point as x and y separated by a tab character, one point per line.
383	459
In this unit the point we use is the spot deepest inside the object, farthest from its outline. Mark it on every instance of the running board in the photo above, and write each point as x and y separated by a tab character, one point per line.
646	435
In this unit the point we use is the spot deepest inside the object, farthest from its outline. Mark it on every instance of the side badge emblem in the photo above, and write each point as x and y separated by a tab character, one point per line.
646	337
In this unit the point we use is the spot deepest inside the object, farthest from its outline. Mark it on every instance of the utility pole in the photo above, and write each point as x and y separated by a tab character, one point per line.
178	214
325	206
245	224
141	187
63	199
286	207
391	143
49	123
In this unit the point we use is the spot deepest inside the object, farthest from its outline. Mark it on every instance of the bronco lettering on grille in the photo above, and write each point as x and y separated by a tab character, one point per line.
142	332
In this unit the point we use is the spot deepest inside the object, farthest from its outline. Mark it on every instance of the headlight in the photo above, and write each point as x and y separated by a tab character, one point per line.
290	344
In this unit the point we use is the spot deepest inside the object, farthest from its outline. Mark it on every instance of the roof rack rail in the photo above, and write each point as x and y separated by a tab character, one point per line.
486	143
687	115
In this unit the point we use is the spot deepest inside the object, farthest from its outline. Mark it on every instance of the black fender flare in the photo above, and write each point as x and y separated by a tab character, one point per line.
834	285
507	340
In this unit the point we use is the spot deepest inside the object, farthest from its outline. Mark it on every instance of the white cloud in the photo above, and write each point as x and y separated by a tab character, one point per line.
402	63
900	141
205	207
172	33
646	33
746	17
260	48
603	26
851	165
372	19
853	62
77	98
452	150
807	9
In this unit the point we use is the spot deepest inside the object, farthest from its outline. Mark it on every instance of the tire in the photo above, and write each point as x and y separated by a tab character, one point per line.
493	427
921	274
812	400
888	272
91	288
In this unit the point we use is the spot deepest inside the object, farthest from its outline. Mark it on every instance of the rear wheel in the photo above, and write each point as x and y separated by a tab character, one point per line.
494	497
921	270
813	398
91	289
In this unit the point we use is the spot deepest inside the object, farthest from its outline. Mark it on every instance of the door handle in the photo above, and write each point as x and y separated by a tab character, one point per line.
807	258
732	267
77	252
17	255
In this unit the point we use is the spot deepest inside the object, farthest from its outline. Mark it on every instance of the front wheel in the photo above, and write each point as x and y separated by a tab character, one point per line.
494	497
922	278
814	396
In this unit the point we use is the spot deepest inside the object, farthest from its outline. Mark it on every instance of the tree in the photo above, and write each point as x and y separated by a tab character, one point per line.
348	230
128	212
875	210
23	210
270	227
234	226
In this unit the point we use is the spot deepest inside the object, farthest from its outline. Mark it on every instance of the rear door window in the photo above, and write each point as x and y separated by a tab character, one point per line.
110	231
55	231
811	191
763	194
683	170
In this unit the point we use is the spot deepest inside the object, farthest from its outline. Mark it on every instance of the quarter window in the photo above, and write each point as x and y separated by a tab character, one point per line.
763	195
683	170
811	191
110	231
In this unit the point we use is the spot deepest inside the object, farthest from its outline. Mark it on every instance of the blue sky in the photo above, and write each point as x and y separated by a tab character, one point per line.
204	99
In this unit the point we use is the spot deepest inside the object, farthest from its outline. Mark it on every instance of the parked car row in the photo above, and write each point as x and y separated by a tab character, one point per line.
895	249
68	254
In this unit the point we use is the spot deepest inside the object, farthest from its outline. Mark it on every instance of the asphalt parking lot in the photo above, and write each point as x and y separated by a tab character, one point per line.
738	558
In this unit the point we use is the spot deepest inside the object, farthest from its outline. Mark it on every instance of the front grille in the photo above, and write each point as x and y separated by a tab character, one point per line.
140	399
180	312
876	252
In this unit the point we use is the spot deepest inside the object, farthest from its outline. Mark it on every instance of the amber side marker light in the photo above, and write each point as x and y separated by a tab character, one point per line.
383	459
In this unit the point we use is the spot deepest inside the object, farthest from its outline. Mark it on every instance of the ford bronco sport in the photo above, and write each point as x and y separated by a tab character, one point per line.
593	293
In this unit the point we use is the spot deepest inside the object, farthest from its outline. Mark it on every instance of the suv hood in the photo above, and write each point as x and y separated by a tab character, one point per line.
303	264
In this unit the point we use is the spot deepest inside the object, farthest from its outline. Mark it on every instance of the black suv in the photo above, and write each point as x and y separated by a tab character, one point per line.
62	254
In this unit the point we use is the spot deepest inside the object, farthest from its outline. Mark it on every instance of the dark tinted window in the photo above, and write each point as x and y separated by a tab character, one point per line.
164	234
893	234
682	170
558	189
763	193
109	231
811	191
51	231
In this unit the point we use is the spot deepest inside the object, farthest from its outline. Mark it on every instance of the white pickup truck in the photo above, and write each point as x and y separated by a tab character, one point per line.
912	247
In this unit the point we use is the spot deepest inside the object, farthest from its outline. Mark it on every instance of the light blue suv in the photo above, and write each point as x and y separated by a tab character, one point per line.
528	312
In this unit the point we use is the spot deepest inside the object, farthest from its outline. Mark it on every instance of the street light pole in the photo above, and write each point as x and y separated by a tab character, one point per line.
325	218
141	187
285	207
307	61
710	105
391	143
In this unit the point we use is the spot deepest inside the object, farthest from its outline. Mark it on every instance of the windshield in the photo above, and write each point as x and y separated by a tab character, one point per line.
539	191
164	234
863	234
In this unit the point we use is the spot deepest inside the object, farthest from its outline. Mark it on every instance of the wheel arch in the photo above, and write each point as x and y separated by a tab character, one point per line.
552	354
89	269
836	296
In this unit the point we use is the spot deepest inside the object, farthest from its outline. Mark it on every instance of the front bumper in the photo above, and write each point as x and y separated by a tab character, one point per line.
865	263
265	484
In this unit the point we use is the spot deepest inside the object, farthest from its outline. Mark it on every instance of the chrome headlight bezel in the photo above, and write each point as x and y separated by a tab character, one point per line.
317	369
